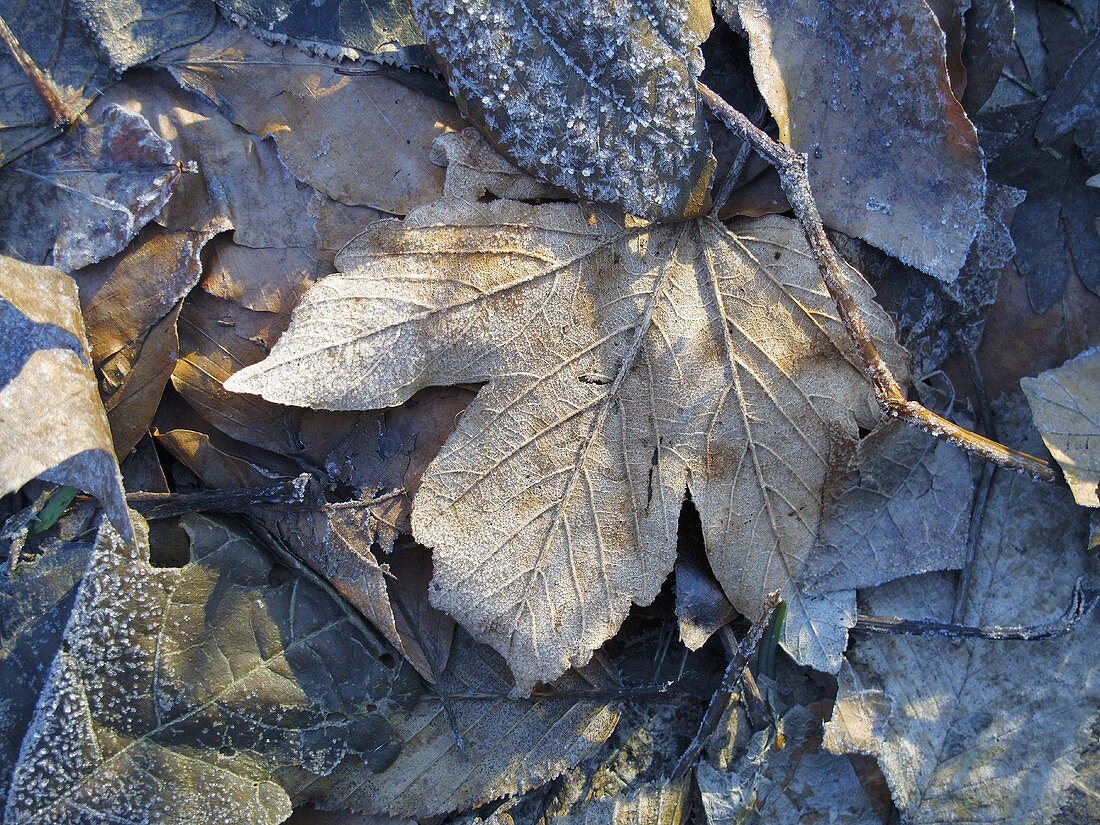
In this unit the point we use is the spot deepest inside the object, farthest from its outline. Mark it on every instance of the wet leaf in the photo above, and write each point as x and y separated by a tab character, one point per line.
52	423
620	358
508	745
130	305
159	706
793	781
74	50
332	27
1065	405
955	725
82	198
900	506
864	92
316	118
594	97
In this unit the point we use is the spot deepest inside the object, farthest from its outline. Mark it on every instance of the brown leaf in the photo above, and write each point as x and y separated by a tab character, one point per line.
864	92
82	198
476	171
316	118
52	423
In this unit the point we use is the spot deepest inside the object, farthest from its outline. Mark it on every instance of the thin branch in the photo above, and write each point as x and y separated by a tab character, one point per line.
39	80
1082	601
791	167
733	177
721	698
300	493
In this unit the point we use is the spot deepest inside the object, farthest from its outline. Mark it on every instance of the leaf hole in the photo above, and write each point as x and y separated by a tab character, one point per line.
388	661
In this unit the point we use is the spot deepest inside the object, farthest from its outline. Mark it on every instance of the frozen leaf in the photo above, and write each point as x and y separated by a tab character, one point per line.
661	802
37	587
598	98
790	781
239	183
900	506
130	305
508	745
863	91
977	730
702	608
262	280
990	25
82	198
624	365
475	171
330	26
52	423
74	50
361	140
1065	405
220	690
1073	104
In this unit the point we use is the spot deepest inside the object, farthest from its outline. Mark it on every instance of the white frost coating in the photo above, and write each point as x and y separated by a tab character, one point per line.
598	99
625	364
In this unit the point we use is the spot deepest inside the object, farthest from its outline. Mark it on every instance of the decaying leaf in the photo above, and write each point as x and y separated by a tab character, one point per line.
625	364
334	27
72	51
82	198
790	780
130	305
317	117
900	506
52	423
37	588
222	689
661	802
593	97
475	170
864	92
1065	404
983	731
508	745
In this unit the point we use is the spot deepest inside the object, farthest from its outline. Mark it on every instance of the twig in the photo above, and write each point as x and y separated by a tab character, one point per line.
300	493
756	706
738	166
39	80
791	167
1082	601
720	700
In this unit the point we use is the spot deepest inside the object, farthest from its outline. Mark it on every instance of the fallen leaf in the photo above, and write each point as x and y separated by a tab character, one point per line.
72	51
130	305
83	198
792	781
661	802
337	223
1065	405
153	705
596	98
316	118
990	26
508	745
52	423
955	724
1072	106
900	506
475	171
864	92
37	588
332	27
554	504
702	608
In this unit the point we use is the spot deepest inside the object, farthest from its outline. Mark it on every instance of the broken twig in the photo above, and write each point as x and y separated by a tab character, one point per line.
791	166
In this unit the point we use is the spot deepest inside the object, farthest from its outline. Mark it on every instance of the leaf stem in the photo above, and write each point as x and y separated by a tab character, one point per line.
791	166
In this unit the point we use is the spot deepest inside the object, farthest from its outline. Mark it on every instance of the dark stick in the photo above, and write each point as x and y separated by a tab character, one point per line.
721	698
301	493
791	167
756	706
1082	601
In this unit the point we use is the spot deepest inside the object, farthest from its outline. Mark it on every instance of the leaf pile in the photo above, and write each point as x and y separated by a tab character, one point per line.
367	370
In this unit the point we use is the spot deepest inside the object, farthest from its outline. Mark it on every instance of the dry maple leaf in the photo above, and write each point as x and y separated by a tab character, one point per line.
625	365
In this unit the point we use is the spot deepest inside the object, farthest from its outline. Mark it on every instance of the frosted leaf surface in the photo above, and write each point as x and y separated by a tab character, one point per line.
597	98
900	506
863	90
661	802
219	691
982	731
52	422
1065	404
625	364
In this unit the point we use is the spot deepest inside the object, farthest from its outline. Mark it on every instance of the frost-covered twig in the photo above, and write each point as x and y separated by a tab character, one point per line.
791	166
